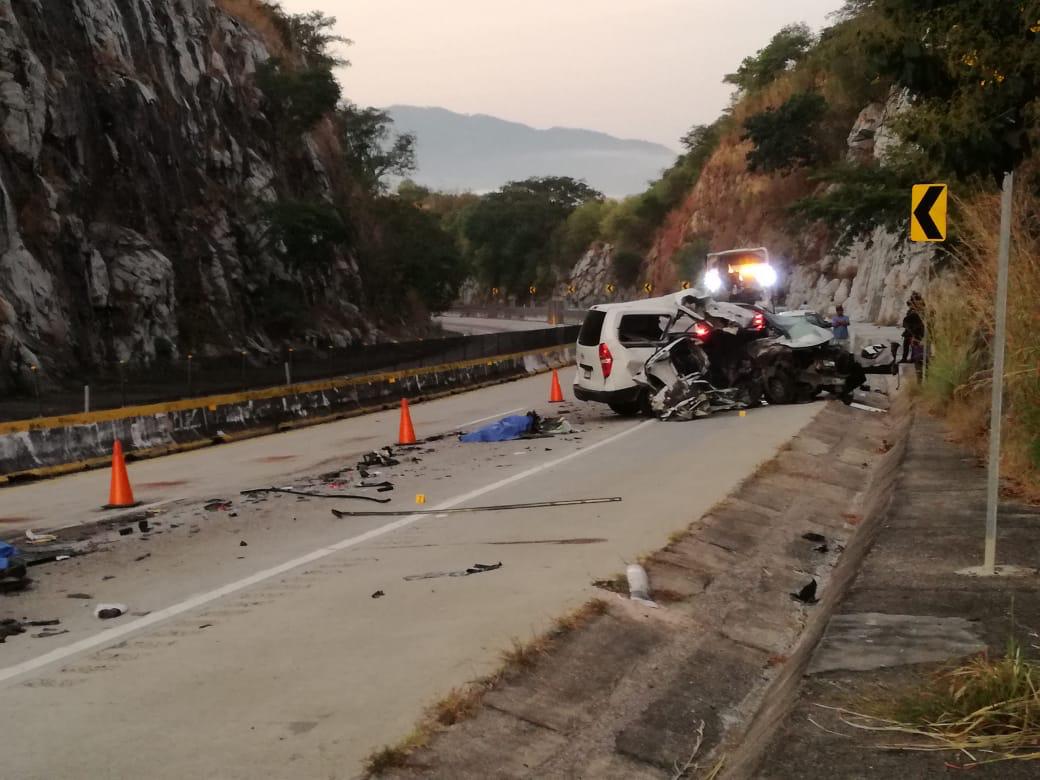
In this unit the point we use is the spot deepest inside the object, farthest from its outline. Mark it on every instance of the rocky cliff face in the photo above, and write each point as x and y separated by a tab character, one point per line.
135	160
874	277
732	207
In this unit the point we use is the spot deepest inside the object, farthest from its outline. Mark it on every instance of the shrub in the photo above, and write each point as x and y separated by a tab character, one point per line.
306	233
627	266
785	137
297	99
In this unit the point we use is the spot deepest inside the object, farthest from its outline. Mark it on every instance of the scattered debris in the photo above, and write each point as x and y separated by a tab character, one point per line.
217	504
10	627
378	594
108	577
47	632
381	487
142	557
243	543
79	596
143	526
497	508
382	457
807	595
822	548
205	625
476	568
312	494
865	408
35	538
126	531
109	611
51	622
814	537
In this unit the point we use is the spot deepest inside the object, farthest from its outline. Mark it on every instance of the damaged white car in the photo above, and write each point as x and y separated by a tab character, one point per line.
720	356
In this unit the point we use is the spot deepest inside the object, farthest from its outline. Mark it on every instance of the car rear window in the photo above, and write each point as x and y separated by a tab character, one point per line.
642	328
591	329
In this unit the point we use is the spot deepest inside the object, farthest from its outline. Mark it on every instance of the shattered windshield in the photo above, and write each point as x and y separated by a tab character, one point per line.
799	330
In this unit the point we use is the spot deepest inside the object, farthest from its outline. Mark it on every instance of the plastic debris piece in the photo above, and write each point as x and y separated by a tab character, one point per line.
807	595
35	538
814	537
378	594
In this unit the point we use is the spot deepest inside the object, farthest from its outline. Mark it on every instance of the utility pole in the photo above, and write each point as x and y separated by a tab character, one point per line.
997	402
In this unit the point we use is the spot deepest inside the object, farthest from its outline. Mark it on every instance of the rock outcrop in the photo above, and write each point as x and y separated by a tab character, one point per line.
135	160
874	276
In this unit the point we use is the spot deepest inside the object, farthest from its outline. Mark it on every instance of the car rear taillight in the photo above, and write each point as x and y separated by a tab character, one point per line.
606	360
702	330
758	321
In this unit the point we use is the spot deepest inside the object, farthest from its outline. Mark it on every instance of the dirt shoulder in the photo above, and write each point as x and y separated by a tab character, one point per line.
633	691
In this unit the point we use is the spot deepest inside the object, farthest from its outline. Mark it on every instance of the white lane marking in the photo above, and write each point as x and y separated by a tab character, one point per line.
112	634
489	417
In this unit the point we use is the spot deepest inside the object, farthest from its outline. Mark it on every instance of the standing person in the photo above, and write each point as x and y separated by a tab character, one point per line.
913	326
840	327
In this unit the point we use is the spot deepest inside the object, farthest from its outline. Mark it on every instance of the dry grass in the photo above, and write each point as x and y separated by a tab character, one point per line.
258	16
616	584
961	324
395	756
463	703
987	709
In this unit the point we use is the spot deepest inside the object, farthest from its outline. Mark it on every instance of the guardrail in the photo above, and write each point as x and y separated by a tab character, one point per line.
121	385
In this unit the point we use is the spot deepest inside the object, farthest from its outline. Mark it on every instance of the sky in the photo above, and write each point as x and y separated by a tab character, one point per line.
645	69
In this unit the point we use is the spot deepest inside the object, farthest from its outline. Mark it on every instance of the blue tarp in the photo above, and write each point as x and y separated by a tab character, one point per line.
506	429
7	552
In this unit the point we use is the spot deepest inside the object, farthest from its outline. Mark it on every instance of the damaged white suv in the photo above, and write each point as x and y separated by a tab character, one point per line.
615	341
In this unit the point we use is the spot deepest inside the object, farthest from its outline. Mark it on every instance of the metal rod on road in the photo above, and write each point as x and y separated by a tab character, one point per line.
997	402
497	508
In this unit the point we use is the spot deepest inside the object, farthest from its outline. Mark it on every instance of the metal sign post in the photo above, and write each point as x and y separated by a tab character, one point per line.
997	402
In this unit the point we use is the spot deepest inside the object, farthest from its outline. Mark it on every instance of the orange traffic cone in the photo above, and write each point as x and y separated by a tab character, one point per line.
406	433
555	393
120	495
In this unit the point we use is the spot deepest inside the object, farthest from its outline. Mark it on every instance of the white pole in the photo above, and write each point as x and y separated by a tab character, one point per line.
997	402
288	374
86	398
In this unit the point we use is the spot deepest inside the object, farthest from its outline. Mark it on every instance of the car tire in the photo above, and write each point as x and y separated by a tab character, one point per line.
781	388
633	408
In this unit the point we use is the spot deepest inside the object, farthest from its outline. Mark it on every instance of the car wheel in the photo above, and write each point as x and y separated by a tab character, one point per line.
631	408
781	388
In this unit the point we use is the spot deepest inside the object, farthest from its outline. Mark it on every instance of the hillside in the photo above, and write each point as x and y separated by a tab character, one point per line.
181	176
458	152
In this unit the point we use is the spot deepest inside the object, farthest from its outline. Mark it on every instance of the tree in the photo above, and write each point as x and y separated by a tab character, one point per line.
371	149
974	69
296	99
785	137
509	233
306	233
785	49
311	38
415	253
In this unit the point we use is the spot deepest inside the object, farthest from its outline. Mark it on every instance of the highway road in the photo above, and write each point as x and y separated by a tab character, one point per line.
255	645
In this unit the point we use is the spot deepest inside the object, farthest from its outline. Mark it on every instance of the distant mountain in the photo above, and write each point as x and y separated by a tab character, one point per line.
481	153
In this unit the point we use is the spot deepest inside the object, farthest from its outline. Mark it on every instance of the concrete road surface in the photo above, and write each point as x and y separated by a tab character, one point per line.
479	326
255	645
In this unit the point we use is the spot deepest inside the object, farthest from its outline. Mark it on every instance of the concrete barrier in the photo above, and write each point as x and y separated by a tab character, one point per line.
53	445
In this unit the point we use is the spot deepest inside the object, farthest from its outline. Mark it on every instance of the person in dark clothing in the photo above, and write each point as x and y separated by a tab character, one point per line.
913	325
